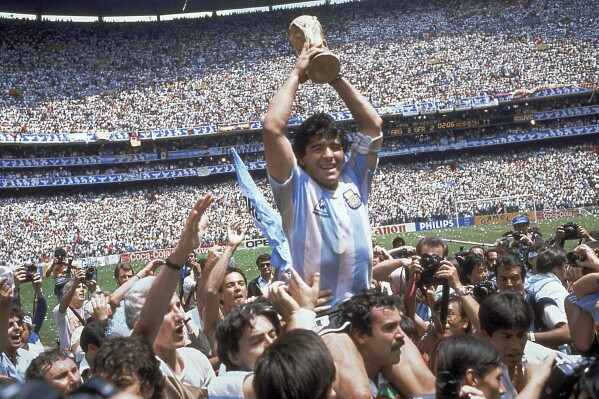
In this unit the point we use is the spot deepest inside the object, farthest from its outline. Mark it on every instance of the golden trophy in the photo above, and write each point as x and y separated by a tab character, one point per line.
323	68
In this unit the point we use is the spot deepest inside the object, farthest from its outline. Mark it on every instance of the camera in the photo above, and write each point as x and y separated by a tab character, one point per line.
482	290
30	270
462	253
572	257
516	235
570	230
430	265
402	253
564	375
90	273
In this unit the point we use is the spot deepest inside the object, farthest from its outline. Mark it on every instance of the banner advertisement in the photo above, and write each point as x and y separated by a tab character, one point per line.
146	255
500	218
444	224
256	243
394	229
566	213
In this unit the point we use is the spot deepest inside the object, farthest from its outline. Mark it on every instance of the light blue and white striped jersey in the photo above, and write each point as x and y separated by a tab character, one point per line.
329	231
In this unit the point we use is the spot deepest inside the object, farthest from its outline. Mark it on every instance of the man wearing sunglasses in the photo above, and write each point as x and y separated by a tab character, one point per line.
258	286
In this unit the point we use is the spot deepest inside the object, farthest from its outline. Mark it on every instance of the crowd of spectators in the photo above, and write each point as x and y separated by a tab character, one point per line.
127	77
412	189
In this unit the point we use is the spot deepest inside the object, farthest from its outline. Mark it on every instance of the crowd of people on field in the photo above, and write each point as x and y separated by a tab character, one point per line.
119	77
199	328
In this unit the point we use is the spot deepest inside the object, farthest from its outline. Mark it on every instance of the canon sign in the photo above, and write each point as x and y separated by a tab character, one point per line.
398	228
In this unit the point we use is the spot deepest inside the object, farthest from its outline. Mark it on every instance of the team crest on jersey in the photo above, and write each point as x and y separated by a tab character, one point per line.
352	199
321	209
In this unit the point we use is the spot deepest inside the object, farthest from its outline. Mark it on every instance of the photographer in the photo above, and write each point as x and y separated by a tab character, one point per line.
40	304
570	231
431	248
60	270
581	306
524	236
70	313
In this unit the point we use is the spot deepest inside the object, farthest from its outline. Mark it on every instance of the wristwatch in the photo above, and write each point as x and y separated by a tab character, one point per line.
464	291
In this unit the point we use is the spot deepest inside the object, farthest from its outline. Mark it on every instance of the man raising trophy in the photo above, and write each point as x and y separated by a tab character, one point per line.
324	67
321	185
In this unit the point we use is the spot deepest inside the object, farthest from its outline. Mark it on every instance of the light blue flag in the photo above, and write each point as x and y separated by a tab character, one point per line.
264	216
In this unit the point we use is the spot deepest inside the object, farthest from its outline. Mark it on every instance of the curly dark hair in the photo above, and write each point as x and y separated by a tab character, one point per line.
357	309
230	329
321	125
43	362
122	356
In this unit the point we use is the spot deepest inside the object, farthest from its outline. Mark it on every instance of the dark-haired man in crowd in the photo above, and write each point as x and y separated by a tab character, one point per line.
69	314
122	273
258	286
509	274
505	318
374	319
547	298
242	336
13	359
130	365
56	368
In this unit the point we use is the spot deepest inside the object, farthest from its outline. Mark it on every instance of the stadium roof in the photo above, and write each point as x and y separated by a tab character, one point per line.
110	8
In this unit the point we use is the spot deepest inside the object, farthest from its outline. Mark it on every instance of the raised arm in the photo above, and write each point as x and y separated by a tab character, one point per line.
382	271
277	149
163	288
68	295
365	116
5	305
449	272
214	281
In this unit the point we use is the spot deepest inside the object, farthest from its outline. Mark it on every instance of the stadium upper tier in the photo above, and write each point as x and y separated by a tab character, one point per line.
61	78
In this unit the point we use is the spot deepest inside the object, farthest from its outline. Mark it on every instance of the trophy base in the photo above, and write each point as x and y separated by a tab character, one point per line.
324	68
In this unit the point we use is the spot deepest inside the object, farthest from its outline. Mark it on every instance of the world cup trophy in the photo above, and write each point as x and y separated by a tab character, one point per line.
323	68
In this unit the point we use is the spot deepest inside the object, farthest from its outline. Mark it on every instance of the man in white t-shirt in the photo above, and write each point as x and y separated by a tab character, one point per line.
69	314
154	311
